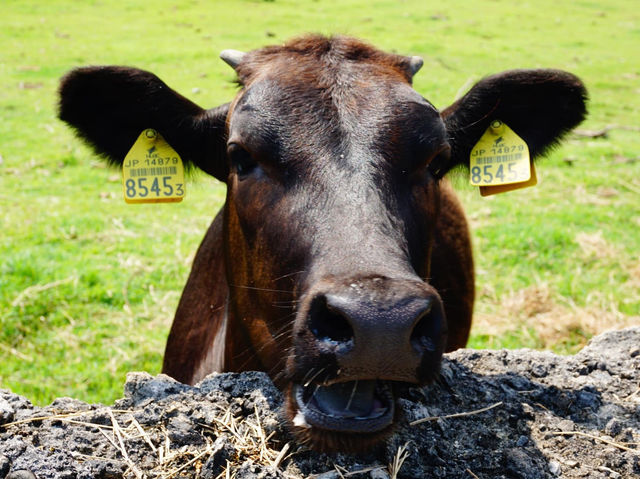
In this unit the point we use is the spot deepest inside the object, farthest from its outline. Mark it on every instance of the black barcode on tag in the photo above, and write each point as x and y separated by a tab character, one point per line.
498	159
157	171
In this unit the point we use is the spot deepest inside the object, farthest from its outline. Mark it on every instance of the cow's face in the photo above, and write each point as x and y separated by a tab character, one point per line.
332	163
330	204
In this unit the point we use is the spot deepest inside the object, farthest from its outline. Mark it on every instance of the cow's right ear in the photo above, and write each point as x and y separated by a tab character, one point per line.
110	106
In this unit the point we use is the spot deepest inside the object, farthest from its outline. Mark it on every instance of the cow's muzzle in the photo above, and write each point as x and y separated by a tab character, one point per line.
353	341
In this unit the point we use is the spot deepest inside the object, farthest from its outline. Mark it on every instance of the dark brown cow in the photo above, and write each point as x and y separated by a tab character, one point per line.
341	261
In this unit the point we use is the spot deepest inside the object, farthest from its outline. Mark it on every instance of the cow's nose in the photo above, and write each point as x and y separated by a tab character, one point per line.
387	337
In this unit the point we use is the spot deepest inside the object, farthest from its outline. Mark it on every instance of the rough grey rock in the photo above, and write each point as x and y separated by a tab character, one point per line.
5	465
6	411
21	475
553	416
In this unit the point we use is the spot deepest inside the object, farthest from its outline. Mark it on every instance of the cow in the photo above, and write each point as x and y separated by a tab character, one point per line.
341	262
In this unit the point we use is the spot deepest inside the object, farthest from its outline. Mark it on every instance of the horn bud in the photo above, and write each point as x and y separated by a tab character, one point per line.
233	58
415	64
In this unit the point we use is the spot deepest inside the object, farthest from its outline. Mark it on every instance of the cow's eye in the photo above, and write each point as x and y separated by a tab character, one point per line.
241	159
440	161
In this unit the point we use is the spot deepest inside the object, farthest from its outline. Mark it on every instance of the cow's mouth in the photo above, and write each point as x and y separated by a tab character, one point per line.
364	406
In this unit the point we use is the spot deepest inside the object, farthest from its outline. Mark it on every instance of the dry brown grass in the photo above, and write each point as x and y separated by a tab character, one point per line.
555	319
594	245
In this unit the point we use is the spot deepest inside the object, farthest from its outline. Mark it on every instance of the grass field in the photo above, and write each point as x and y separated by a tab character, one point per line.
88	284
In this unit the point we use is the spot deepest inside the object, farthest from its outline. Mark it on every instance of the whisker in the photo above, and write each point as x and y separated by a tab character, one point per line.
313	377
353	393
282	335
291	302
280	332
278	375
284	322
255	288
277	367
289	274
307	374
315	390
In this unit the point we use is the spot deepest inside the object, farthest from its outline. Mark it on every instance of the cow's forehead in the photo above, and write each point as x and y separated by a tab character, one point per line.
356	95
332	95
272	103
360	109
315	58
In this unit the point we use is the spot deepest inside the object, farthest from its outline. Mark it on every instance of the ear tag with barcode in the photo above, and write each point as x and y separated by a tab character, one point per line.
500	161
152	171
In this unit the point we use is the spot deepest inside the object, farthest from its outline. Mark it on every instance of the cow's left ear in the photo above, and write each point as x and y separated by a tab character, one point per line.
541	106
110	106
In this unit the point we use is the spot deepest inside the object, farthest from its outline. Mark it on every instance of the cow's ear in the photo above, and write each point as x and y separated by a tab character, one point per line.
541	106
110	106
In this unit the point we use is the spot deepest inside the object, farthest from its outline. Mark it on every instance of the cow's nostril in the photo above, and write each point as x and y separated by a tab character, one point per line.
327	323
426	332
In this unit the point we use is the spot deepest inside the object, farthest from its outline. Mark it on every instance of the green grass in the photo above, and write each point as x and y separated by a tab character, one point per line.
88	284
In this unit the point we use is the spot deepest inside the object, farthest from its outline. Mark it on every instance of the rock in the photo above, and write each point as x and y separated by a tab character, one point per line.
519	464
554	468
5	465
566	425
250	470
613	427
22	474
221	453
328	475
6	411
543	405
141	387
181	431
379	474
539	370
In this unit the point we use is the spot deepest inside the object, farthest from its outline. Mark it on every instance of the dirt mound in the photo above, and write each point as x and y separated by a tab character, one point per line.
509	414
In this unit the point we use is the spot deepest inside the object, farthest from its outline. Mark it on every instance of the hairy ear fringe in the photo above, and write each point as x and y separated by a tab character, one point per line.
541	106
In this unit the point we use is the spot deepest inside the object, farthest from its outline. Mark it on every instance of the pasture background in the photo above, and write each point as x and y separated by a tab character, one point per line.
88	284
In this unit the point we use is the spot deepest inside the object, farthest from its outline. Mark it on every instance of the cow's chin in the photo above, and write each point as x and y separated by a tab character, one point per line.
347	417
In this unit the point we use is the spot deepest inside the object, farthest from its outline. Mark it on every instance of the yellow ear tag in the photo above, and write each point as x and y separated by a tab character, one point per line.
152	171
500	161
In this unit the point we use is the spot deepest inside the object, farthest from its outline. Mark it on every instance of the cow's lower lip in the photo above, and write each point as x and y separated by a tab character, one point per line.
352	407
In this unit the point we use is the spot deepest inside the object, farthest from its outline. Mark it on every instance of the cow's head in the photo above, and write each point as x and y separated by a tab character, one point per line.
332	163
